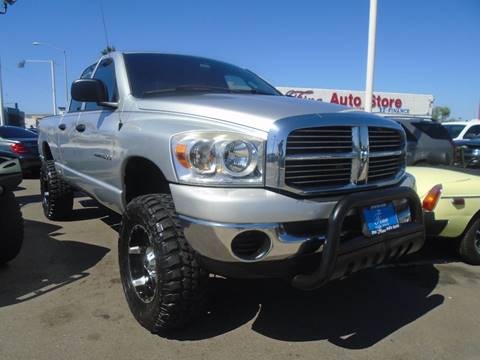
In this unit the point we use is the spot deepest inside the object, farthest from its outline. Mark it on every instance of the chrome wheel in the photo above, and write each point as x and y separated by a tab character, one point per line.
142	264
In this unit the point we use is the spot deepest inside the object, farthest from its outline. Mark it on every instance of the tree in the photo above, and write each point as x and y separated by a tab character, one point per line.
440	113
5	5
108	50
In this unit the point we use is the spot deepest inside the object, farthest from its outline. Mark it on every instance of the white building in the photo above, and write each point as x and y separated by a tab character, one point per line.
382	102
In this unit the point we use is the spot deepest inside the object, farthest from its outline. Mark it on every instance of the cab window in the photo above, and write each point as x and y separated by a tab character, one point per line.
473	132
106	73
86	74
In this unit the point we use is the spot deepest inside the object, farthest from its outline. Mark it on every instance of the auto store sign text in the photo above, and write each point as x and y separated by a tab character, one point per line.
382	102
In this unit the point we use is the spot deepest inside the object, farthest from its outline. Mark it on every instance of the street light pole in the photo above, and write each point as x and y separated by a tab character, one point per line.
372	29
22	63
54	90
67	97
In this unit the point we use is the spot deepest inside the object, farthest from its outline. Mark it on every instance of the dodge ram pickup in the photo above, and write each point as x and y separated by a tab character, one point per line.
215	171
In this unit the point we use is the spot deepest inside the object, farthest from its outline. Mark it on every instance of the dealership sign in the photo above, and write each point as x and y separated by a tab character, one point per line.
382	102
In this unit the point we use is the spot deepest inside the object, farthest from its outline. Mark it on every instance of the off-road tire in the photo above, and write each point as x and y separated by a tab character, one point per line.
181	284
470	244
57	195
11	227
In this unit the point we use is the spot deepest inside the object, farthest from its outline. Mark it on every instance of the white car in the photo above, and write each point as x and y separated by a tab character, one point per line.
463	130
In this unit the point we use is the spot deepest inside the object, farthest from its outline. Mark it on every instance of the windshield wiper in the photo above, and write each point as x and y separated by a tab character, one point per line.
202	88
249	91
186	88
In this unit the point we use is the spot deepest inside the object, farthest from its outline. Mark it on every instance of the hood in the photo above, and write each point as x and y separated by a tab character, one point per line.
455	182
255	111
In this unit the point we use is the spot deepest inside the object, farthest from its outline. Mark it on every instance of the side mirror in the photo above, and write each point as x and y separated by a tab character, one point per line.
89	90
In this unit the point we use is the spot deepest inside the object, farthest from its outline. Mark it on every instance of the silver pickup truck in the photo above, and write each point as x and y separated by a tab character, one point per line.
217	172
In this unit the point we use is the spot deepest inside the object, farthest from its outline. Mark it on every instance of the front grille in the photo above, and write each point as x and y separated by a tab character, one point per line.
332	139
383	139
326	157
306	173
383	168
313	173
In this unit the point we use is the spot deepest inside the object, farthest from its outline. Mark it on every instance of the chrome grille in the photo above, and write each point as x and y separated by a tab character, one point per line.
342	157
384	167
305	173
313	140
312	173
383	139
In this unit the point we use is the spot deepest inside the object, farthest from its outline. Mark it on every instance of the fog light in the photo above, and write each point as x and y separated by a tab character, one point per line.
251	245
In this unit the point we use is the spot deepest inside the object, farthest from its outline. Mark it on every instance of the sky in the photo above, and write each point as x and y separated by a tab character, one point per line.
426	47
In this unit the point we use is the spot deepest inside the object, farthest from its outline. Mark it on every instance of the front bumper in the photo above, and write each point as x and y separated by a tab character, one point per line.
306	233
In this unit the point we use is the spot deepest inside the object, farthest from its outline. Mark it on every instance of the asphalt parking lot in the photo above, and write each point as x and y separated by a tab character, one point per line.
62	299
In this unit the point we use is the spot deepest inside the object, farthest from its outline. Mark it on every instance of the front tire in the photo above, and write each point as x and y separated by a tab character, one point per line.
57	195
11	227
164	285
470	244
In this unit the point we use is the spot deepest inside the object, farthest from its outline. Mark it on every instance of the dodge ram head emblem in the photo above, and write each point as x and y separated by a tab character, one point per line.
364	155
361	148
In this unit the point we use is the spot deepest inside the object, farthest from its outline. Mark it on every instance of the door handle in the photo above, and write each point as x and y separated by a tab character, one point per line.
62	127
80	127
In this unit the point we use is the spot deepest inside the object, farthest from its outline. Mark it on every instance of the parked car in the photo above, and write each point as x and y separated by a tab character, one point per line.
11	221
427	141
468	153
215	171
463	130
451	200
22	144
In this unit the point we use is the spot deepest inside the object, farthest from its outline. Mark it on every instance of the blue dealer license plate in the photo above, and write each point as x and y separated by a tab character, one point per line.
380	218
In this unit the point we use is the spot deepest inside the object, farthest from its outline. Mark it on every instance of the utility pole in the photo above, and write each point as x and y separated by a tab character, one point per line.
65	76
2	109
22	63
372	29
54	90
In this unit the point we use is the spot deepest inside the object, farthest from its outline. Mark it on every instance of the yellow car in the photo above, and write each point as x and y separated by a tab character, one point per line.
451	202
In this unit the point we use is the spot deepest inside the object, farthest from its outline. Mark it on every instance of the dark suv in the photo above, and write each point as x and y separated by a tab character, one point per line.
428	142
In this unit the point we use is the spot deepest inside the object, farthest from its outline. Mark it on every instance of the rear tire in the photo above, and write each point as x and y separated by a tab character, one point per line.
11	227
470	244
57	195
164	285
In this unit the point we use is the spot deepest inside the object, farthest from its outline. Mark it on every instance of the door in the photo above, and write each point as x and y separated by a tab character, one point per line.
66	133
96	129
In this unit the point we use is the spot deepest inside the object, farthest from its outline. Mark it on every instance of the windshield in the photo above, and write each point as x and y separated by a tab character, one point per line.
12	132
162	74
454	130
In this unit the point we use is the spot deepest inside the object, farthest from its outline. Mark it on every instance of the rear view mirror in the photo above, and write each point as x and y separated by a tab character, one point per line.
89	90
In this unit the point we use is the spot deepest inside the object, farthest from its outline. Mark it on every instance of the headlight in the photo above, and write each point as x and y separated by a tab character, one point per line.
218	158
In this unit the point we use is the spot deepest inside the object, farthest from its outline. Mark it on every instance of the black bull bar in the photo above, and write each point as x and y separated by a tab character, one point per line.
412	233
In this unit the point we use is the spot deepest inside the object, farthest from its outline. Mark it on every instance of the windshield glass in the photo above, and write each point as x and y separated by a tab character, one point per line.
162	74
12	132
454	130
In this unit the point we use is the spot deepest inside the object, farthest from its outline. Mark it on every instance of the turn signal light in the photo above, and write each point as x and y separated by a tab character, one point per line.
19	148
431	200
181	155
